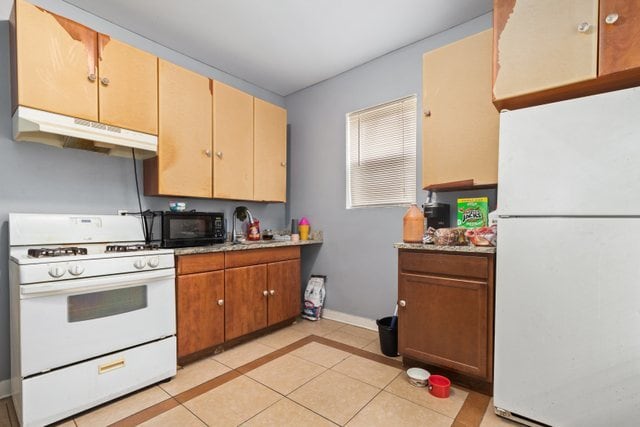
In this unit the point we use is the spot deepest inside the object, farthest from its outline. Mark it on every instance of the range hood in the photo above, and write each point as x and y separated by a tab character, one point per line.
67	132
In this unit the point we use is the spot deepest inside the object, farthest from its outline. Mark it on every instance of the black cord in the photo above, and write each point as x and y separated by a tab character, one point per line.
142	217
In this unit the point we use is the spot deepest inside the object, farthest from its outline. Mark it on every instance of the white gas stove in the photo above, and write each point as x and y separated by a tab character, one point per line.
92	312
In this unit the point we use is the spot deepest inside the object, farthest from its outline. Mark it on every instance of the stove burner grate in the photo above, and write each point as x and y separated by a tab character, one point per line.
52	252
131	248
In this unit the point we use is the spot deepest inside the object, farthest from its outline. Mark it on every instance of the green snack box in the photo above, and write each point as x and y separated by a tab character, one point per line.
473	212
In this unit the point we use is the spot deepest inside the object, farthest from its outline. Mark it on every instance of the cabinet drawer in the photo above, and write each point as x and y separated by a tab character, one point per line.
48	397
260	256
416	262
200	263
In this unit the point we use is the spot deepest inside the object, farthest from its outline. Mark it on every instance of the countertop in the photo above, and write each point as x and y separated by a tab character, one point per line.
439	248
227	247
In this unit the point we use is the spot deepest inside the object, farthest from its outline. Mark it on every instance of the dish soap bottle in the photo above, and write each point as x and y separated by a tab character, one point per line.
413	225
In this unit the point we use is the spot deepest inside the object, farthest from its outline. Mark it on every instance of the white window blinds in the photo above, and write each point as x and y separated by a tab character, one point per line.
381	154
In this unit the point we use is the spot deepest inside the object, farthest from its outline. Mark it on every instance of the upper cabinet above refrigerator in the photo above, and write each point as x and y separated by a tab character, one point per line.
575	158
547	51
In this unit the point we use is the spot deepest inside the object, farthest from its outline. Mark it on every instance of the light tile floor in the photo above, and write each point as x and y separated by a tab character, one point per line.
315	384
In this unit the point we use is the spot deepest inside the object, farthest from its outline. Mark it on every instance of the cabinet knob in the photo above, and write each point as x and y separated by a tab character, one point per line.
219	154
265	292
220	302
611	18
427	113
584	27
283	164
104	81
402	303
272	292
207	153
91	77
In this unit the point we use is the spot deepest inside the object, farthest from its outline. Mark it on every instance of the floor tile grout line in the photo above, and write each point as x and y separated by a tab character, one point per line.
426	407
194	414
311	410
365	405
285	395
128	419
260	412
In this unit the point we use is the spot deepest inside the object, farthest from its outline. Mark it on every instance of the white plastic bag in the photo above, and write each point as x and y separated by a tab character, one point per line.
314	298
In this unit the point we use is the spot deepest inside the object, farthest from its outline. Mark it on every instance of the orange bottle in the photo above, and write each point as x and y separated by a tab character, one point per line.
413	225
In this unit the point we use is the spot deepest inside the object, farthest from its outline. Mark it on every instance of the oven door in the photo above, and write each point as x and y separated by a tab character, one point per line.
69	321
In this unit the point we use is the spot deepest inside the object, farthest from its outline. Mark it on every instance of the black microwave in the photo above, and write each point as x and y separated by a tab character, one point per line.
181	229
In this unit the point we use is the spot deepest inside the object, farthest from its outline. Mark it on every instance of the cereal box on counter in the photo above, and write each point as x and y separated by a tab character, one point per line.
473	212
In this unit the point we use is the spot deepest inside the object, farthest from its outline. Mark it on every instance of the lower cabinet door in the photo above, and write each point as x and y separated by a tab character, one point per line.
200	311
444	322
284	290
245	300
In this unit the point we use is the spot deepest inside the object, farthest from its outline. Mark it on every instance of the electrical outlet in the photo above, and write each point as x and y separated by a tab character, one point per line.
122	212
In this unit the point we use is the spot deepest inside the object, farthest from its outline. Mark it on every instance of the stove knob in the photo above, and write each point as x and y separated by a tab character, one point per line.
140	263
76	269
153	262
56	271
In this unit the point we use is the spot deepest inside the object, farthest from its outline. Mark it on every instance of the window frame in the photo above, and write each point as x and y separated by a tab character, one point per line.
348	201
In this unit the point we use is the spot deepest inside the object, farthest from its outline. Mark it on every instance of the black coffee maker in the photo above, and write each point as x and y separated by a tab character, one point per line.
436	215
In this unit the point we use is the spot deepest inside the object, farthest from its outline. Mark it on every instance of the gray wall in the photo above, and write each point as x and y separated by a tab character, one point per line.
358	255
39	178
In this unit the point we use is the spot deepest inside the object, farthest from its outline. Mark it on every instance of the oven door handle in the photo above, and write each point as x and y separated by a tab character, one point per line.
93	284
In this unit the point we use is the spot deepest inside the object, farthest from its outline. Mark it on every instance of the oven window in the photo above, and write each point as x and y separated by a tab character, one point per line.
192	228
106	303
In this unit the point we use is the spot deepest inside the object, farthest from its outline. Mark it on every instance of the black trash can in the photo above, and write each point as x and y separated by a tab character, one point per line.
388	336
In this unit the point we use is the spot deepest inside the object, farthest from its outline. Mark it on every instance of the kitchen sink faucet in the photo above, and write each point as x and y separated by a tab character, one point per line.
241	213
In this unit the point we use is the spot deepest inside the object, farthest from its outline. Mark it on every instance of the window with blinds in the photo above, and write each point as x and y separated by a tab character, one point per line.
381	155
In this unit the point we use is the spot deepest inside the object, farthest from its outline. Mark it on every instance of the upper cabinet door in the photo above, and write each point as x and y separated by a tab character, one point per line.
270	152
232	143
619	36
56	63
184	137
128	86
459	124
543	44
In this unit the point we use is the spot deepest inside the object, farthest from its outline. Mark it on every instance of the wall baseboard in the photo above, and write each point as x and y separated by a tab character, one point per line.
362	322
5	388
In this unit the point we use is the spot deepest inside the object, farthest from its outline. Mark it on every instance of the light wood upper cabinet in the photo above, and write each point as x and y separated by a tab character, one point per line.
547	51
183	164
543	44
232	143
459	123
55	63
619	36
128	86
270	152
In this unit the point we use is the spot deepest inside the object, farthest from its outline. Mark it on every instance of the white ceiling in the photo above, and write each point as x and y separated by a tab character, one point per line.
285	45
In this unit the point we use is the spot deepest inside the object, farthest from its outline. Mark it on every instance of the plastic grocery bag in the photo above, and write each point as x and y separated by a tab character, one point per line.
314	296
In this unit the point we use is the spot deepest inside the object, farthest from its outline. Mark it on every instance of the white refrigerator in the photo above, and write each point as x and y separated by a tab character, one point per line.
567	320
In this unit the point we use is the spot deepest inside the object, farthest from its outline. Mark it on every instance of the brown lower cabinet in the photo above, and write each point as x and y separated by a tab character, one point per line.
200	316
445	316
221	297
246	294
283	280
